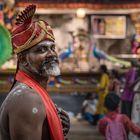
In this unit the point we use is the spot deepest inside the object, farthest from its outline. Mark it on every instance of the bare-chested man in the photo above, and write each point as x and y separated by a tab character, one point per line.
28	113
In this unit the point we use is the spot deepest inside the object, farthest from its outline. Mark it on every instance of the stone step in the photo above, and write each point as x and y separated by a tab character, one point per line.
82	130
84	138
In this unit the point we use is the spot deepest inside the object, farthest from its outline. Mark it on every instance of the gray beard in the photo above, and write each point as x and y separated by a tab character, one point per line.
54	70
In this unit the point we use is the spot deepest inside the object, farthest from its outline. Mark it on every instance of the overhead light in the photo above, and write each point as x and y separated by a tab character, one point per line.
80	13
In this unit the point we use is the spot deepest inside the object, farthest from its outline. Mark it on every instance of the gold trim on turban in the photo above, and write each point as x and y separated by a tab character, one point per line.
32	40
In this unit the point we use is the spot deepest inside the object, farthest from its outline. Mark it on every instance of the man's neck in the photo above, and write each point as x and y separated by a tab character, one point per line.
40	79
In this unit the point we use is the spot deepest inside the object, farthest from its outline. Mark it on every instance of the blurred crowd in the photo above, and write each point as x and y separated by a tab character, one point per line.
124	86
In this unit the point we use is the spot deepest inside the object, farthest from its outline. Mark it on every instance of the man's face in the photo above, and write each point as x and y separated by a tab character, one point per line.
42	59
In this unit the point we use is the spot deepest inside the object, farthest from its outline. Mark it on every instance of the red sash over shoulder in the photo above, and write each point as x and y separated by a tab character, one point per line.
55	126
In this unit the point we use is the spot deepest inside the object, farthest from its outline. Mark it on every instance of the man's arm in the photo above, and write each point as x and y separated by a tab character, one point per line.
26	116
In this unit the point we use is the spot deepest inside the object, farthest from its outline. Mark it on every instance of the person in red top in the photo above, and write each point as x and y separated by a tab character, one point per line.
112	104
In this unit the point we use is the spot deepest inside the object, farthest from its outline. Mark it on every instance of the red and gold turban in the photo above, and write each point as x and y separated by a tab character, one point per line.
28	33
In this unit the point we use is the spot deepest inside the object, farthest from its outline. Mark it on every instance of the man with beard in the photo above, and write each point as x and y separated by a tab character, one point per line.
28	113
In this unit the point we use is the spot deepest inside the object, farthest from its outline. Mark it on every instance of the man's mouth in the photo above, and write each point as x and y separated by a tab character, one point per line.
50	61
50	66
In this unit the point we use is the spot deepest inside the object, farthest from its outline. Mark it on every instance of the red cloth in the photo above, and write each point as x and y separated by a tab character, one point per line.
27	33
128	125
54	123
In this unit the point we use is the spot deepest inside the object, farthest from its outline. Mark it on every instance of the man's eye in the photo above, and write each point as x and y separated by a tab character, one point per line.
43	49
53	48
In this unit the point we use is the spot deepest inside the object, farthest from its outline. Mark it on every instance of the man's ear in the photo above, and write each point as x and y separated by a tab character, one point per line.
22	59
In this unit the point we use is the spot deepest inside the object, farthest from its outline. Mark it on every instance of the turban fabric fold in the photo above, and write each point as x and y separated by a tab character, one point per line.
28	33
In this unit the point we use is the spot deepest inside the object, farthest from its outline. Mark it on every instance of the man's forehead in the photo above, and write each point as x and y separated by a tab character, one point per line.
46	43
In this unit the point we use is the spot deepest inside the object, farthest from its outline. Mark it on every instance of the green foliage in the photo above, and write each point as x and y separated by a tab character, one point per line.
5	45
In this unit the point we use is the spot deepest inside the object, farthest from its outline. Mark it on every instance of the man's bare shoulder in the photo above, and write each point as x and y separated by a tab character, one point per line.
23	99
25	113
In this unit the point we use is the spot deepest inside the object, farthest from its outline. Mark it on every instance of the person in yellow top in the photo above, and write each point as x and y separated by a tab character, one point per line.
102	90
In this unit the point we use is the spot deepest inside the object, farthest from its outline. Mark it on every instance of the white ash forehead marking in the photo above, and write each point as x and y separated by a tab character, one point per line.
19	90
35	110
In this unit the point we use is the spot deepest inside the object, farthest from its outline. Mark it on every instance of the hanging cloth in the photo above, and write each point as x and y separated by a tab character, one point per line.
54	123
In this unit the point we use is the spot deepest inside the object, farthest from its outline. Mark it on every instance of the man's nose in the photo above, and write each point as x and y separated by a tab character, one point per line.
51	53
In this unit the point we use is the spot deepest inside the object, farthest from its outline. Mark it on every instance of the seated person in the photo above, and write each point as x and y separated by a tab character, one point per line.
89	107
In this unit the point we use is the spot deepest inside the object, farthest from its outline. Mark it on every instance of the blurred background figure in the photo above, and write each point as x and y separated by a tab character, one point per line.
135	113
128	94
115	83
89	107
102	90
